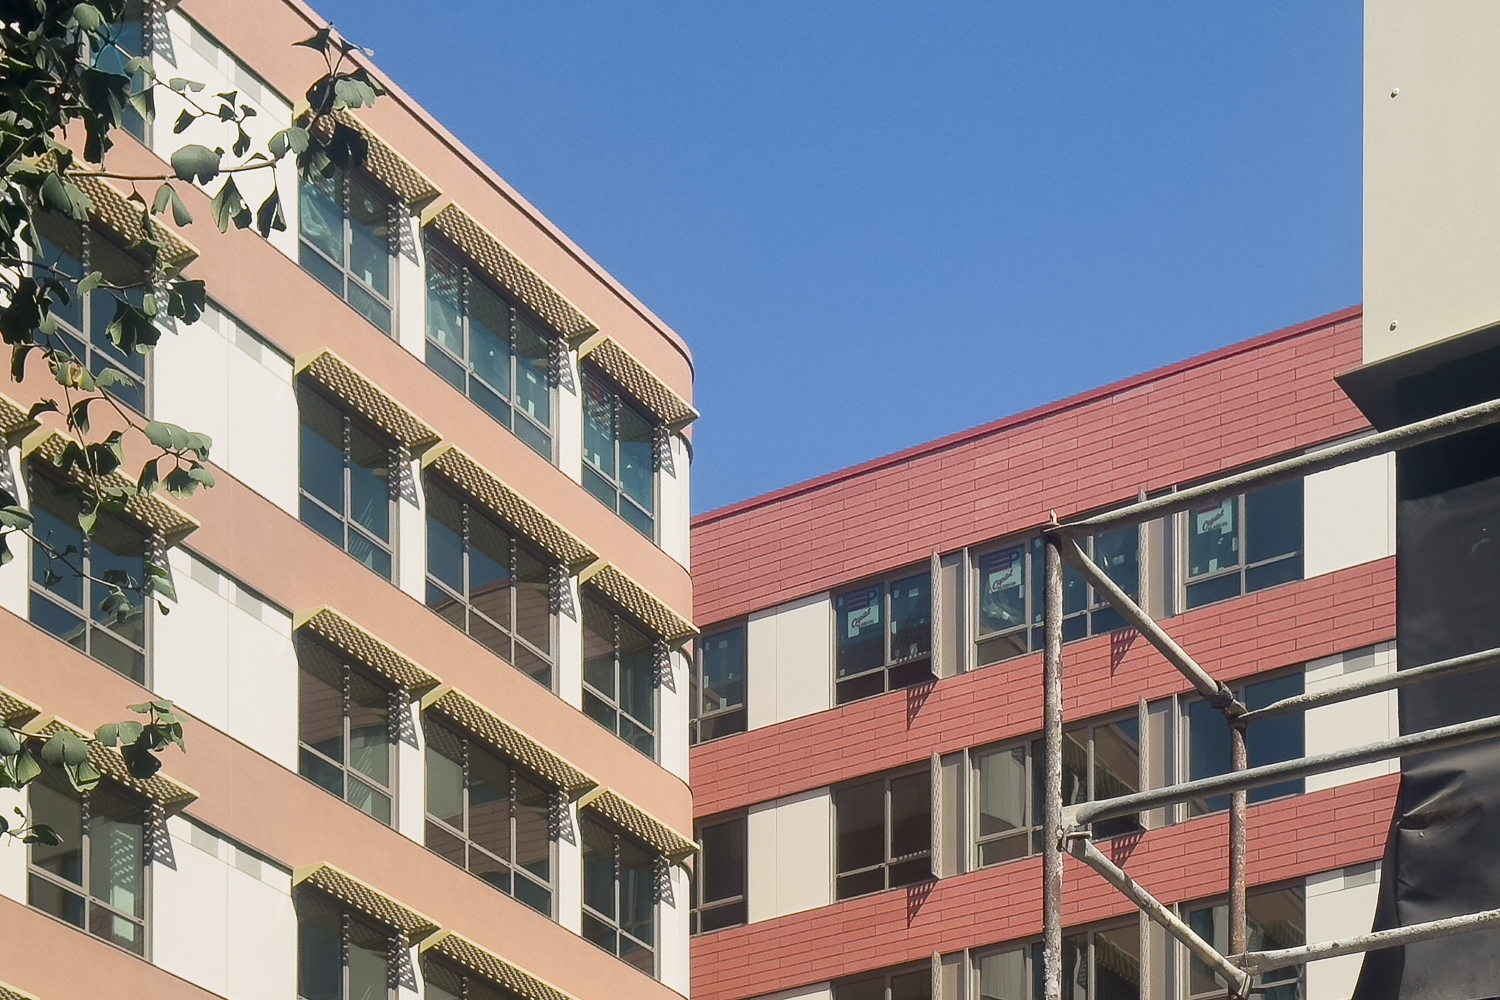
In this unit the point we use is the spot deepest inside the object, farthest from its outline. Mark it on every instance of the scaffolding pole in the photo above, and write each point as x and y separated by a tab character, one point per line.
1052	817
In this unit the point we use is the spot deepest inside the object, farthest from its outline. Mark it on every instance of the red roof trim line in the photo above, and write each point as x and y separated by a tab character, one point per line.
1027	416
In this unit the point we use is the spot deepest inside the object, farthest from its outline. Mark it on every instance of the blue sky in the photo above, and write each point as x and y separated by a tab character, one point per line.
877	223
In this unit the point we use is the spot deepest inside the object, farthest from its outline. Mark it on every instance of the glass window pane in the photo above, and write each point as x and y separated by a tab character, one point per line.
63	813
445	543
1118	554
1211	923
489	569
914	985
321	451
369	484
489	802
1271	741
1213	537
116	853
320	707
533	600
1002	792
1208	752
445	776
367	971
1117	769
1075	766
723	671
57	525
1002	976
598	868
598	427
860	813
533	373
489	338
369	248
1075	967
369	730
911	815
319	945
1117	964
911	617
533	837
861	639
723	860
1273	521
445	303
49	897
321	217
637	476
870	988
367	553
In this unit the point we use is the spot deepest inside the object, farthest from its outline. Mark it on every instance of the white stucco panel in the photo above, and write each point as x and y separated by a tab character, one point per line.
789	855
1349	515
789	661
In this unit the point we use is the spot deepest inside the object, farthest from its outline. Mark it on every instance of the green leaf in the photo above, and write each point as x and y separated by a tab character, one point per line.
84	776
270	216
197	162
130	732
318	42
27	769
41	833
241	143
112	376
167	197
52	750
9	745
89	283
149	478
294	139
182	86
108	734
229	206
19	517
201	475
43	406
78	416
65	197
87	520
140	761
88	17
75	750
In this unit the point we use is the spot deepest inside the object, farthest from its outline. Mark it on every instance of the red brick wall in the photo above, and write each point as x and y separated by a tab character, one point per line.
1289	839
1287	625
1185	422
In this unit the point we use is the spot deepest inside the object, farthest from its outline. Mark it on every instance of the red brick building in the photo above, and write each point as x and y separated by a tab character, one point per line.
869	685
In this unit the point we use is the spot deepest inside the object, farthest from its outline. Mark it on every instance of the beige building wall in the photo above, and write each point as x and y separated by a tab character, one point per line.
1432	201
789	661
789	855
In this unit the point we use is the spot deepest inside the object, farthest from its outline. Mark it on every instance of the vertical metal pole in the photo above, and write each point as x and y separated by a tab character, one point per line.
1239	760
1052	723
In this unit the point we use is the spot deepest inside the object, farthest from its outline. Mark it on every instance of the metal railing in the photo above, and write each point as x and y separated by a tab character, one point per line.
1067	830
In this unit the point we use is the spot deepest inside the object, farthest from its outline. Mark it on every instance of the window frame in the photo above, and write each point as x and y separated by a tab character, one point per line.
1182	766
619	399
1123	825
1031	950
614	924
699	906
1096	617
890	665
1183	528
85	888
919	969
518	543
733	718
349	669
350	422
888	862
35	478
96	357
516	770
347	179
1030	832
1214	904
347	917
470	274
614	702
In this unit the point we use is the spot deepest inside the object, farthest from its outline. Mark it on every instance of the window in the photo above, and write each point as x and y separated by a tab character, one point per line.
884	833
619	453
345	474
344	731
906	983
1100	964
719	876
1102	761
619	675
1244	544
340	955
95	878
67	597
718	699
489	584
126	40
442	981
619	894
490	349
1267	741
872	658
1276	918
83	322
489	816
1009	802
345	242
1011	582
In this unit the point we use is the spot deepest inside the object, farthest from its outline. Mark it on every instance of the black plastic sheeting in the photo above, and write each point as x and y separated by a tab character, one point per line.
1442	855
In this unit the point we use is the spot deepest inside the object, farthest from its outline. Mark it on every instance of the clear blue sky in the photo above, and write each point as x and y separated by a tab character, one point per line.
877	223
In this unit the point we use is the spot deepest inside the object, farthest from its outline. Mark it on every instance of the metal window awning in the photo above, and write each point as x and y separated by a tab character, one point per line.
151	510
372	402
340	632
166	792
365	899
653	612
114	210
13	707
508	739
384	163
482	962
508	270
495	494
13	420
649	389
640	824
8	992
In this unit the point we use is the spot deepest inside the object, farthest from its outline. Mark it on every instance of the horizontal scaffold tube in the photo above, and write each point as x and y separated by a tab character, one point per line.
1455	667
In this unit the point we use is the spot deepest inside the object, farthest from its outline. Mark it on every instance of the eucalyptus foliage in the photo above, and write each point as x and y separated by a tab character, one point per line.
66	89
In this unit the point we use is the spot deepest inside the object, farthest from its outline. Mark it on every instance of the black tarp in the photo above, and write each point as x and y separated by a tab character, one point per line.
1442	855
